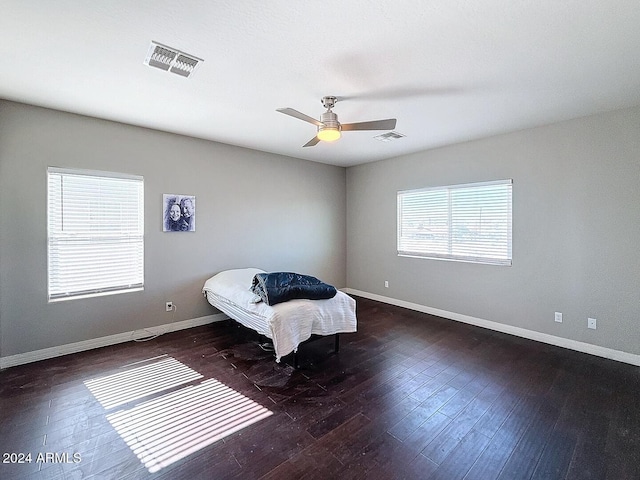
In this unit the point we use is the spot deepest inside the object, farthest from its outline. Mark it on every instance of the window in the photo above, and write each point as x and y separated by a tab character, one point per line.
95	233
469	222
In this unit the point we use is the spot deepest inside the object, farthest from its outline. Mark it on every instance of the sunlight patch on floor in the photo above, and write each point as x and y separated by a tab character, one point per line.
166	428
135	383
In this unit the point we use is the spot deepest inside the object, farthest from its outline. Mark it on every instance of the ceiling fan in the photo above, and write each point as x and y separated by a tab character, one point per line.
329	128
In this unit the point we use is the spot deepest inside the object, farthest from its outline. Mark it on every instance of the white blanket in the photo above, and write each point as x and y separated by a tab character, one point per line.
288	324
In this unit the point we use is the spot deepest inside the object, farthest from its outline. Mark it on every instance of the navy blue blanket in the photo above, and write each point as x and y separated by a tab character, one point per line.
278	287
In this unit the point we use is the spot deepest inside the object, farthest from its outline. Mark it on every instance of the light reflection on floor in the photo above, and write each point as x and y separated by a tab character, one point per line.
139	382
169	427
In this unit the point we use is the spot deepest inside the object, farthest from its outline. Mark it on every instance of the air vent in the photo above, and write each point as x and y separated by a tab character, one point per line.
387	137
171	60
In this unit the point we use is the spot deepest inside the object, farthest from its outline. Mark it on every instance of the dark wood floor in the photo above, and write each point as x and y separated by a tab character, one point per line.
408	396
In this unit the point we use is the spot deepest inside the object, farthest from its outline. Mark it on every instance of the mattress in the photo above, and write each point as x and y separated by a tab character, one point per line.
287	324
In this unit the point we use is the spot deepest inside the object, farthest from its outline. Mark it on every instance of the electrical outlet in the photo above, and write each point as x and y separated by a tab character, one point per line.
386	284
169	306
558	317
591	323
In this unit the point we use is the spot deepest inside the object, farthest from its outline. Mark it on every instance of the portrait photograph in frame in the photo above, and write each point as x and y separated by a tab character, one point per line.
179	213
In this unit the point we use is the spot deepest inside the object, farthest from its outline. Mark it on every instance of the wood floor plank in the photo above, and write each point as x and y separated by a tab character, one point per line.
492	460
525	456
459	427
427	432
587	461
414	419
556	457
462	457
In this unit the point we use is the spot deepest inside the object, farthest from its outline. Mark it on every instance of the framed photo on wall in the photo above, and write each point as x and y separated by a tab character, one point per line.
179	213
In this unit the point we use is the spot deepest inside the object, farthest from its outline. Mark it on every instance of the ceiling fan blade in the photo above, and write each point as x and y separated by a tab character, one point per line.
311	143
403	92
294	113
388	124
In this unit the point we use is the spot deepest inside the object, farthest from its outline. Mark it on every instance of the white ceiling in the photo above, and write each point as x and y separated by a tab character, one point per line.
448	70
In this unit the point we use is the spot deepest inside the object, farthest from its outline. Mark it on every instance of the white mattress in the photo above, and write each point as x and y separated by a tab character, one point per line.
288	324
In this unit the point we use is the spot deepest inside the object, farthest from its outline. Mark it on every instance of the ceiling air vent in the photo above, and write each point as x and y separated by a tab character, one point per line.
171	60
387	137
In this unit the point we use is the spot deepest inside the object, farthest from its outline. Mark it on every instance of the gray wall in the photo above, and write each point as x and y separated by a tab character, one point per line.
253	209
576	230
576	226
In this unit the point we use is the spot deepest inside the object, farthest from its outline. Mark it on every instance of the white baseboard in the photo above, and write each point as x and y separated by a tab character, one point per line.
618	355
45	353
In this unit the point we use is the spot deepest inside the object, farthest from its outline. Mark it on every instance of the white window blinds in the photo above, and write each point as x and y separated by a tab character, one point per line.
470	222
95	233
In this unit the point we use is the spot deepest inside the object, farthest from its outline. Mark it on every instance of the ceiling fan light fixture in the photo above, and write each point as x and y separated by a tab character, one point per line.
329	134
329	128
